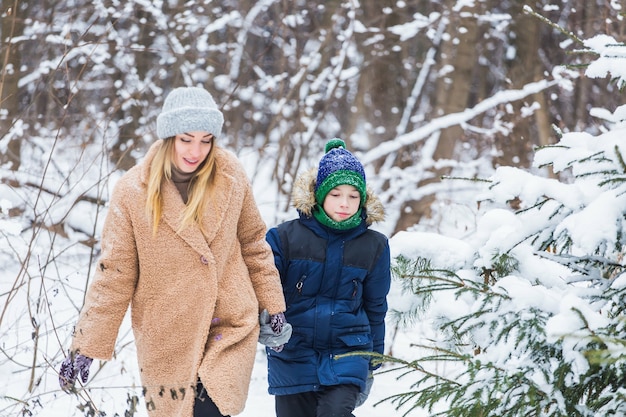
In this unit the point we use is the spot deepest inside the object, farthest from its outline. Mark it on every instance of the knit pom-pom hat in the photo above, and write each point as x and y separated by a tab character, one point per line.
189	109
337	167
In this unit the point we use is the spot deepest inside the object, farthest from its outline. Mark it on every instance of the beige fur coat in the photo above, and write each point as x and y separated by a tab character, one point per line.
194	299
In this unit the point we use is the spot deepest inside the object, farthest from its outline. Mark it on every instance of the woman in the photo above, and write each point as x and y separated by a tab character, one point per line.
335	275
183	244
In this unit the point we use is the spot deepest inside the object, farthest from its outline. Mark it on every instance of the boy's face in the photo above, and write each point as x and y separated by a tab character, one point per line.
342	202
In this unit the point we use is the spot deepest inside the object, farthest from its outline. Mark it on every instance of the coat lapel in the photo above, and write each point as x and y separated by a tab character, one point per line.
173	207
214	215
217	210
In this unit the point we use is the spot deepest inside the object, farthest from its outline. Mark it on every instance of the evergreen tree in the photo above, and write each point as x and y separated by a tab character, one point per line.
529	320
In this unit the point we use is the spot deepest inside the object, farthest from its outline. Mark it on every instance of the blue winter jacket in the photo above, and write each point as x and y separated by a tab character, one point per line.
335	284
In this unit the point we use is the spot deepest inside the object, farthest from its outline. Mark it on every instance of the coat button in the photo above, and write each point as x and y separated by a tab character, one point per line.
204	260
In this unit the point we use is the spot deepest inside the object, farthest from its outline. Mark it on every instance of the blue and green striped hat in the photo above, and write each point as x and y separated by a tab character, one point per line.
337	167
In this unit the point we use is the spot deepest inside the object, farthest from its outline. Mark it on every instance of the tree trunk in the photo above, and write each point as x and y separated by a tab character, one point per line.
13	13
382	89
516	148
452	95
131	132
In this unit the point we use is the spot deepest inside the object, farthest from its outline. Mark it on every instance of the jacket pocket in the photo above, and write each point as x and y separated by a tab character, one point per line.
356	295
356	339
296	290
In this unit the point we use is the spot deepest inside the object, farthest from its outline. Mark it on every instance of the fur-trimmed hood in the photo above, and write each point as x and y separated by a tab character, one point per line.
303	198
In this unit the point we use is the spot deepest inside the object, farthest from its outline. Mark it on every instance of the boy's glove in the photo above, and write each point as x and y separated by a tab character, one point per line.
275	331
72	366
368	387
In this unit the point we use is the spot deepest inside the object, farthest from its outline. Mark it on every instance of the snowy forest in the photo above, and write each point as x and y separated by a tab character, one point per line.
493	131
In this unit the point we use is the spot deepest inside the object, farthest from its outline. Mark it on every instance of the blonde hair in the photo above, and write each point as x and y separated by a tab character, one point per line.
201	187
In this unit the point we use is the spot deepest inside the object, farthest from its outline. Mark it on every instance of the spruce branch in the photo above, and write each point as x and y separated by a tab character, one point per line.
570	35
620	158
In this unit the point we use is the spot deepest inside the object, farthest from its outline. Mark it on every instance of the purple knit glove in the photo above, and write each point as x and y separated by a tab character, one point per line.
275	331
277	322
73	366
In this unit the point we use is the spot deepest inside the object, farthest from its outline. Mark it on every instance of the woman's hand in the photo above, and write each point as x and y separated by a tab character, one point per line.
74	365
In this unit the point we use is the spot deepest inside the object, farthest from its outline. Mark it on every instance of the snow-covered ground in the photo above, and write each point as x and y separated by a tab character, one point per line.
110	386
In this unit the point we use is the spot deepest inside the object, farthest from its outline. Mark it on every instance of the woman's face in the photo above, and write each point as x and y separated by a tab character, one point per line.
191	149
342	202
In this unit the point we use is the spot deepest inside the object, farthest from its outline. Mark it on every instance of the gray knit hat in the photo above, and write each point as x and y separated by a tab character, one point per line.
189	109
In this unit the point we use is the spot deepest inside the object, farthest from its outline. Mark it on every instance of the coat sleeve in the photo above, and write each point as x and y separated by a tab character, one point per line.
375	289
257	255
113	285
